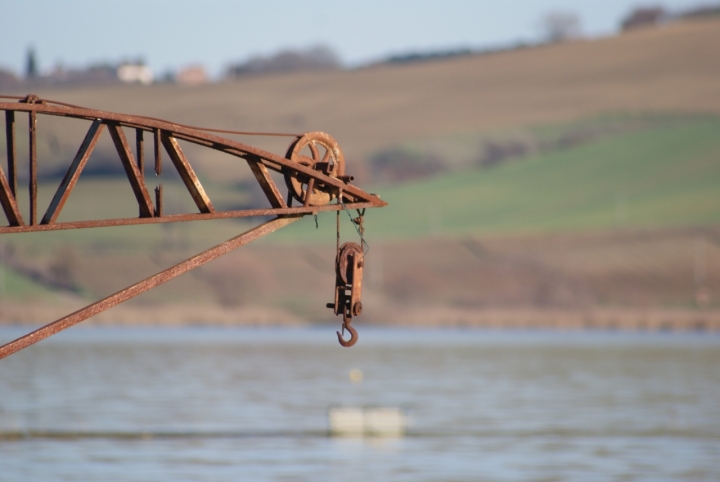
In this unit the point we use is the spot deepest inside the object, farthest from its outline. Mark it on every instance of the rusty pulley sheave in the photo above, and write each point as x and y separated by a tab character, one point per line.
320	152
349	265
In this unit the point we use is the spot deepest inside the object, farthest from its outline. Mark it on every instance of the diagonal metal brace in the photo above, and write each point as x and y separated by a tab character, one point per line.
144	285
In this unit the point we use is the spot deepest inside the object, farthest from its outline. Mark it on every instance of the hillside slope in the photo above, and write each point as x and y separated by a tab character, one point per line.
657	174
674	68
662	176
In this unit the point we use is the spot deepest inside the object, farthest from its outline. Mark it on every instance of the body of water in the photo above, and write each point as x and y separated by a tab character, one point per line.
202	404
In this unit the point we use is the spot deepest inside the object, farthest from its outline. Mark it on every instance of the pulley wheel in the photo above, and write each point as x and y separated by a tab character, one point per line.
344	267
318	151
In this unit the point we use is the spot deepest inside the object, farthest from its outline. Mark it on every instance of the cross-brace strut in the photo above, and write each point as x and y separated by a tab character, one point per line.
313	169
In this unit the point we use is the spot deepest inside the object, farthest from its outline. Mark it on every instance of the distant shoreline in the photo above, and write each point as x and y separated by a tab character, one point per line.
630	319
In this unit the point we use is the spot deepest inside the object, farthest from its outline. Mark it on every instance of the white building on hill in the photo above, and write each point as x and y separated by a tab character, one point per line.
131	73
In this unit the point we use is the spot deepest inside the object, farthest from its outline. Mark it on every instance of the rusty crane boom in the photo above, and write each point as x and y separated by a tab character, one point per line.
313	169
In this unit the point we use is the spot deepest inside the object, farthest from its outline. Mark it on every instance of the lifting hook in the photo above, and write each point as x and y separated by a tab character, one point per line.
348	288
353	335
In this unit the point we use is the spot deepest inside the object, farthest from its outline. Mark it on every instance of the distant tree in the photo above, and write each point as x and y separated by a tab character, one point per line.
428	56
31	68
561	26
702	11
397	164
644	17
314	58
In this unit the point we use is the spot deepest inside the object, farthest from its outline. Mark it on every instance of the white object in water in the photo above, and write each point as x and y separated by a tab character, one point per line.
370	421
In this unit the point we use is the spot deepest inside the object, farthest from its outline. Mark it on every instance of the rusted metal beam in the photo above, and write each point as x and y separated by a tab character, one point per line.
158	171
163	132
199	136
32	131
140	152
158	152
158	201
266	183
187	174
11	159
174	218
73	173
140	155
314	182
143	286
138	185
8	202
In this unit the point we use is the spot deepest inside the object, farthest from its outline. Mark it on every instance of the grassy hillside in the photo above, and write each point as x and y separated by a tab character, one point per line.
662	173
598	140
667	175
674	68
16	286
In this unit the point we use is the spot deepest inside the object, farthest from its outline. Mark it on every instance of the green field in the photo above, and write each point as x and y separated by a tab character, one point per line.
15	286
667	175
586	142
659	173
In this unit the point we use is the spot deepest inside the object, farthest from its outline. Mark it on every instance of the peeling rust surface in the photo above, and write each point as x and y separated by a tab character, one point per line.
202	137
143	286
313	168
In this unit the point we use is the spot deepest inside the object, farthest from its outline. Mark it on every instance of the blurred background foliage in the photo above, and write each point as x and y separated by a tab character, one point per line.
575	174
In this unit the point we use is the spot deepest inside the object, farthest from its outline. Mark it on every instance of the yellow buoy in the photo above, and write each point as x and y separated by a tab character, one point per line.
356	375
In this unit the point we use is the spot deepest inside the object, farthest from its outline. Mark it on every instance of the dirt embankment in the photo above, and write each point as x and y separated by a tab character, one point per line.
636	279
670	69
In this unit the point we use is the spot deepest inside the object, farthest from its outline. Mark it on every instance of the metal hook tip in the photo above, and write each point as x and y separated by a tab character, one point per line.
353	336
